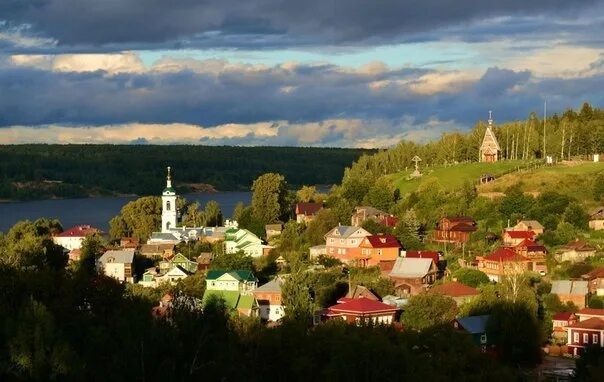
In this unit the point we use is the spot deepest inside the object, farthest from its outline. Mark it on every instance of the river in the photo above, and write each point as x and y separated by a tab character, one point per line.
98	211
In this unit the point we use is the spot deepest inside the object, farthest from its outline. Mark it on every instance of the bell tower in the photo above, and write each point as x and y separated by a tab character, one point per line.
168	209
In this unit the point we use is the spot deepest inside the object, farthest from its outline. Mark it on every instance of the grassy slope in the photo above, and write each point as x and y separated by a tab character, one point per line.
571	179
452	177
574	179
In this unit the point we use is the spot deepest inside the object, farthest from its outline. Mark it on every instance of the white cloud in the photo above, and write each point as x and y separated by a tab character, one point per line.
126	62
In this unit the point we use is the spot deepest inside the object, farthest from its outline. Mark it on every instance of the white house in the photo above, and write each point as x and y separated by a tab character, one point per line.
117	264
72	238
237	239
269	300
240	281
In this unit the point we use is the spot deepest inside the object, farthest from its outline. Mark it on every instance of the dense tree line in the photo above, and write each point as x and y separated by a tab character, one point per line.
34	171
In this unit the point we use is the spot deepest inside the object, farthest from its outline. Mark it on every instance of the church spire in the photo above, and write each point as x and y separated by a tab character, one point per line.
490	118
169	179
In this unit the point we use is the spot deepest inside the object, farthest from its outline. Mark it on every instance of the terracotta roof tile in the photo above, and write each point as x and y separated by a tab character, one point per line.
79	231
504	254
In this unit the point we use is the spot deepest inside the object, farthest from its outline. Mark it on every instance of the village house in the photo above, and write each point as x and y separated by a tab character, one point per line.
235	289
571	291
535	252
528	225
204	260
455	230
489	149
153	277
560	321
587	331
343	243
272	230
575	251
157	250
117	264
269	300
179	260
412	276
502	262
476	327
358	291
360	311
362	214
238	239
72	238
316	251
376	248
595	280
129	243
305	212
596	219
513	238
457	291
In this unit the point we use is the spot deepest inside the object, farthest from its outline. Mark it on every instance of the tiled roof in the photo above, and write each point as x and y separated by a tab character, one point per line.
579	245
569	287
597	273
362	305
406	267
383	241
504	254
520	234
591	312
474	324
562	316
592	323
308	209
455	289
81	230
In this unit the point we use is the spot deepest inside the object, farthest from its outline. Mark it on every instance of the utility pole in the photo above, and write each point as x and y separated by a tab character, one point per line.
544	118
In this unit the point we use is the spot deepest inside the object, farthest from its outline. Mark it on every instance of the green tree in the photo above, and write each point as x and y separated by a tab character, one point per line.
238	211
232	261
269	198
381	195
407	230
213	214
138	218
575	214
194	217
598	188
471	277
427	310
324	221
92	248
306	194
296	297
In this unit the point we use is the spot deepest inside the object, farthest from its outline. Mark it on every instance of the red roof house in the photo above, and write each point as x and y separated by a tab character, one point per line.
434	255
513	238
455	230
457	291
585	333
361	310
500	262
305	212
376	248
72	238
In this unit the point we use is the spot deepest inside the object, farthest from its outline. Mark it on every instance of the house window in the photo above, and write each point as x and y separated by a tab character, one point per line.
576	338
483	338
168	205
353	241
332	241
594	339
341	241
585	338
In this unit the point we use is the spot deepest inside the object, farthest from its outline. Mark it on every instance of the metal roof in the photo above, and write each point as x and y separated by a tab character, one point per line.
408	267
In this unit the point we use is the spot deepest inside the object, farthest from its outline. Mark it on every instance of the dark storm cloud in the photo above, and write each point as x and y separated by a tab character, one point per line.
259	22
300	94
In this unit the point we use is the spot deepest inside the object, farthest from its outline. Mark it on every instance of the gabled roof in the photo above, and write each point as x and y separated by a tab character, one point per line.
434	255
489	140
463	227
591	323
113	256
241	275
474	324
531	223
166	236
504	254
362	305
455	289
531	246
308	209
369	211
520	234
383	241
177	270
562	316
597	273
156	248
569	287
344	231
460	219
81	230
406	267
579	246
273	286
359	291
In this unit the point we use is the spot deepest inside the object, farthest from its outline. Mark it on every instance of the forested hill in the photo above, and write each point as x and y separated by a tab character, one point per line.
45	171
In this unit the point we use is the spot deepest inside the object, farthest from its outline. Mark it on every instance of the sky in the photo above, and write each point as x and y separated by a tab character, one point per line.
331	73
